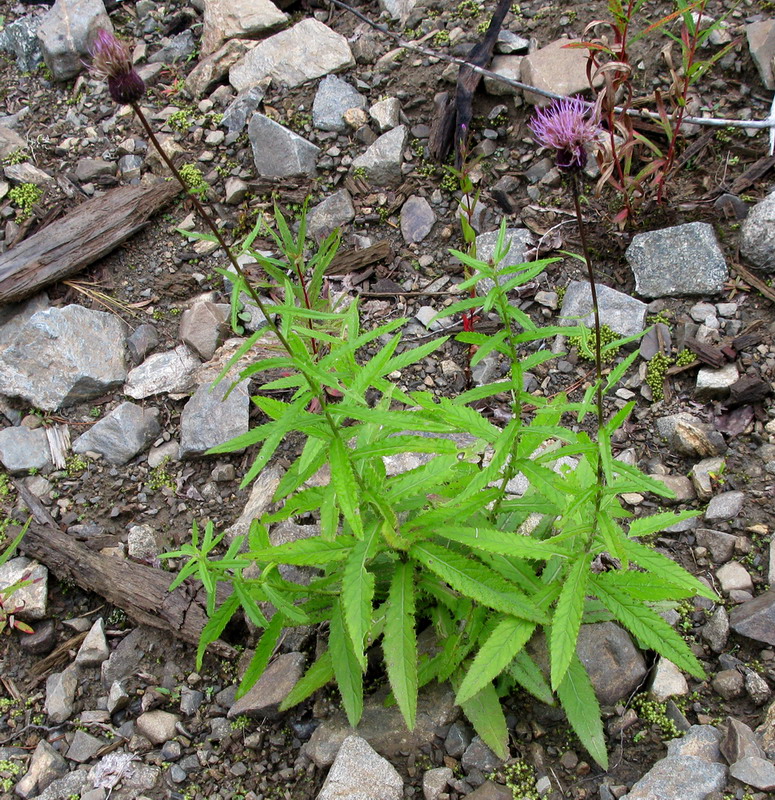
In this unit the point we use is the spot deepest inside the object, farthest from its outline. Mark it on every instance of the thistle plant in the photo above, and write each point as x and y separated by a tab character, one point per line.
450	545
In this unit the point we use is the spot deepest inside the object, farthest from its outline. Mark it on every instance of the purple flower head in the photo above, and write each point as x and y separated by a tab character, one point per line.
566	126
112	61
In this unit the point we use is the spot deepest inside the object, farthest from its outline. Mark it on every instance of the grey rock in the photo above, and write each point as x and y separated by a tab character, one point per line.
623	314
239	111
757	234
756	618
714	384
725	506
688	436
42	641
614	664
756	687
458	738
332	213
141	341
204	326
386	113
118	697
210	418
734	575
60	695
703	475
700	741
479	756
398	9
170	372
687	777
696	263
210	71
84	747
141	543
729	683
517	241
765	733
721	545
417	219
94	648
90	169
20	38
508	66
434	782
169	451
64	356
761	43
382	160
46	765
755	771
279	152
508	42
130	167
122	434
126	658
491	791
157	726
66	33
73	784
277	680
238	19
259	501
668	681
22	449
556	69
31	600
359	772
174	48
679	485
739	742
333	97
302	53
716	630
27	173
235	191
190	701
13	316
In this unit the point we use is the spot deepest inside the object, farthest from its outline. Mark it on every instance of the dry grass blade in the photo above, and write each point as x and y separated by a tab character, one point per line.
96	295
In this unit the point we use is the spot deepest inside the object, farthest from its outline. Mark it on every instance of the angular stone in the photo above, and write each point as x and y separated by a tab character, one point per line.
517	240
700	741
157	726
668	681
259	501
687	777
756	618
509	67
417	219
756	687
20	37
302	53
27	173
714	384
398	9
66	33
31	600
91	169
60	695
237	19
458	738
556	68
491	791
83	747
203	327
141	341
94	648
704	474
264	698
235	191
679	485
757	234
725	506
435	781
755	771
623	314
683	260
360	772
168	372
23	449
10	141
739	742
508	42
279	152
237	113
13	316
332	213
386	113
122	434
210	418
141	543
64	356
382	160
172	49
761	43
125	659
212	69
729	684
479	756
734	576
333	97
716	630
688	436
46	765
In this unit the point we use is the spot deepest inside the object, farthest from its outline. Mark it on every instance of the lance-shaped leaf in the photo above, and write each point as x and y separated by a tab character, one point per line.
347	670
262	654
567	619
583	711
358	592
317	676
345	486
399	642
528	675
484	712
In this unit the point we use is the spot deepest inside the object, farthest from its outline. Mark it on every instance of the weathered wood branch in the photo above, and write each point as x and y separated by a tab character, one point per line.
87	233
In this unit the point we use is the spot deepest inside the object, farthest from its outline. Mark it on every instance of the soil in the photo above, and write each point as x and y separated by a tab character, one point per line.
154	275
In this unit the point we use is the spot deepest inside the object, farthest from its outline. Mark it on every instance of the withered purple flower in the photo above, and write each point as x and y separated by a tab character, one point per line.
567	125
112	61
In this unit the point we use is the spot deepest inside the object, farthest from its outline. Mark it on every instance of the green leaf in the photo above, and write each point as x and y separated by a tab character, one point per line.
642	586
492	540
645	526
345	486
264	649
475	580
665	568
527	674
648	626
506	640
567	619
484	712
317	676
216	625
307	552
583	711
347	670
399	643
358	591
